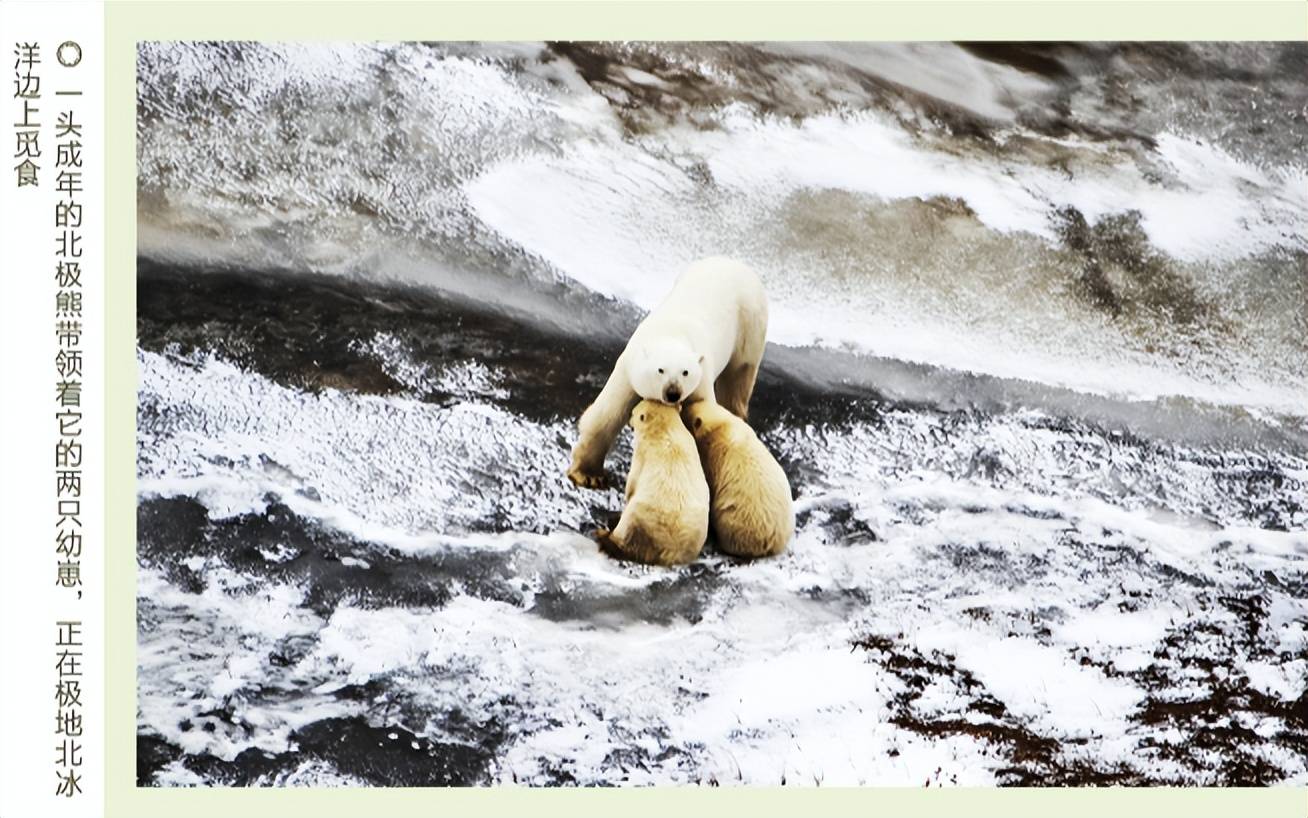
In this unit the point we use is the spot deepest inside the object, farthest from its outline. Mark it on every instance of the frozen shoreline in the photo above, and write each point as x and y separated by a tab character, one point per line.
393	551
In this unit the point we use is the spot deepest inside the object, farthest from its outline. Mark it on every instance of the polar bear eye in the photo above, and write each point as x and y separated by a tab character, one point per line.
685	373
660	371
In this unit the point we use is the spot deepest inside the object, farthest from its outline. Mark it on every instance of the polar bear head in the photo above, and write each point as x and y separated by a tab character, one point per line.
665	370
651	415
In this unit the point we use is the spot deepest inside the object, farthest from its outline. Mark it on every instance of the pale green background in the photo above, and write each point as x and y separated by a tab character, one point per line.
129	22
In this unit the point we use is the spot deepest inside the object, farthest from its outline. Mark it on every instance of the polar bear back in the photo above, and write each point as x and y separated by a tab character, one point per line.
715	302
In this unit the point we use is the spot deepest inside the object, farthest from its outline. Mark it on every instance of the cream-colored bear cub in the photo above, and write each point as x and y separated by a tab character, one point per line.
665	520
750	510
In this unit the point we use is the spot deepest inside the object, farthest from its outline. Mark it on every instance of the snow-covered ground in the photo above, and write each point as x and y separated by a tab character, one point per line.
971	598
1036	375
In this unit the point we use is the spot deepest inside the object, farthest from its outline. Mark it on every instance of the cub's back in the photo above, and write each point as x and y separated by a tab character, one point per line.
752	512
672	474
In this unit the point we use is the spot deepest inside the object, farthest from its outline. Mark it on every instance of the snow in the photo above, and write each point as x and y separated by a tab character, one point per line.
1037	587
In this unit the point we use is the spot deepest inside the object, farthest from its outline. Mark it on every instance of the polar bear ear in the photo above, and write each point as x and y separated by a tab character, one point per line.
699	422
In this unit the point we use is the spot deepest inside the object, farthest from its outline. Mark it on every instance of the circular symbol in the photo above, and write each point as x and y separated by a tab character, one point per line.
69	54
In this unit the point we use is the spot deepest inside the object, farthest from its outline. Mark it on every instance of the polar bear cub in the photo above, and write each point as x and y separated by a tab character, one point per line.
665	520
704	341
751	510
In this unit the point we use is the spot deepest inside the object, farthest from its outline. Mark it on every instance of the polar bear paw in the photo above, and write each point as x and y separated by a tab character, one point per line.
588	479
604	539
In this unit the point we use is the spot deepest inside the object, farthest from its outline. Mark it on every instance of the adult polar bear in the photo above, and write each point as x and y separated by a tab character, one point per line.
704	341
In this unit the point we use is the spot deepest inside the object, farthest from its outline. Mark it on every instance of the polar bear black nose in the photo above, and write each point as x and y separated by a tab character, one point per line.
673	394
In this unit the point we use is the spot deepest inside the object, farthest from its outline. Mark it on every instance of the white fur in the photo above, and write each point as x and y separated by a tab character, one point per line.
704	341
751	509
665	520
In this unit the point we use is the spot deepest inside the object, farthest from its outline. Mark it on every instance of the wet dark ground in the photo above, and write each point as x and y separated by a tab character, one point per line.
300	330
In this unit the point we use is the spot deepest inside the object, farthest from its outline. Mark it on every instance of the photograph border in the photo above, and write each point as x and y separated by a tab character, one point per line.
127	23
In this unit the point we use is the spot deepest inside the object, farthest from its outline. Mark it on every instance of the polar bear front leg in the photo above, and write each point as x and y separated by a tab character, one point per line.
704	390
735	386
599	427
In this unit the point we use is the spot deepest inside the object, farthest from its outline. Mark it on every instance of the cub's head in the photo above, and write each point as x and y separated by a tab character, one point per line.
665	371
703	417
653	414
